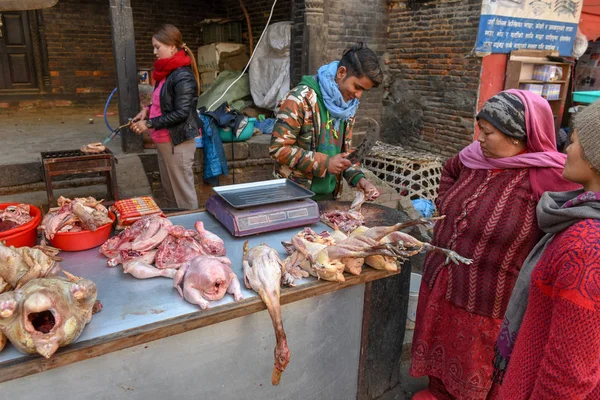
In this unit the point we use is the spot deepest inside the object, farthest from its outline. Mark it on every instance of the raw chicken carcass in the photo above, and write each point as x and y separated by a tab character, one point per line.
211	243
145	234
175	251
74	216
183	245
22	264
207	278
327	262
47	313
327	256
263	271
175	246
18	214
139	264
347	221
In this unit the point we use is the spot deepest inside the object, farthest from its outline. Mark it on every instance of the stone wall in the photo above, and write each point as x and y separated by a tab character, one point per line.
433	78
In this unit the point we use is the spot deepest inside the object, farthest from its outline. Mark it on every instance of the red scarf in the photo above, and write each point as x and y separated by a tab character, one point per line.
164	66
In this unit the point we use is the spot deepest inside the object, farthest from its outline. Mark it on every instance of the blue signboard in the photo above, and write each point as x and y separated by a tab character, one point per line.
507	25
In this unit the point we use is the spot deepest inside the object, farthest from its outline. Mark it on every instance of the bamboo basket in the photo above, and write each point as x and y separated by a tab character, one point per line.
412	174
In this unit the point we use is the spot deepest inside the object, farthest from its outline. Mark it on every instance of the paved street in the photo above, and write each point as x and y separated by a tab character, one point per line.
25	135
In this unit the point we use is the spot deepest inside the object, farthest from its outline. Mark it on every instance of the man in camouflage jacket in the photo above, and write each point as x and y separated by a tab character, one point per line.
304	126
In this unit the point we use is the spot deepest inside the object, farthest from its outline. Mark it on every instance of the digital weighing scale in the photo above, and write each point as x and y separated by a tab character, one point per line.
258	207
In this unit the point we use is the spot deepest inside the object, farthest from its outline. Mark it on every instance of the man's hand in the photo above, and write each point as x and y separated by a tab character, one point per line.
370	190
338	164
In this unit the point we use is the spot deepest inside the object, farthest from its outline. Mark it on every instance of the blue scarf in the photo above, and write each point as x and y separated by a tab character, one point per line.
332	97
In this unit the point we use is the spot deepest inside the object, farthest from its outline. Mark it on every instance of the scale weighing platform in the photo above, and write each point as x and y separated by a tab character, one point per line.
259	207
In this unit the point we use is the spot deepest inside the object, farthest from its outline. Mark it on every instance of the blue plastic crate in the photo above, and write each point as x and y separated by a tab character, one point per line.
586	97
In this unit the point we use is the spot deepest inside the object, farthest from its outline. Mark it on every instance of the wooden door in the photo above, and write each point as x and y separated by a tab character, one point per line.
17	67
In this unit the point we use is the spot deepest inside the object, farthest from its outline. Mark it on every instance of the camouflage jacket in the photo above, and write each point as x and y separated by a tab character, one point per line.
295	140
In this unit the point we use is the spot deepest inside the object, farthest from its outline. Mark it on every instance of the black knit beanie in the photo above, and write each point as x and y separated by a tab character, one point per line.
505	112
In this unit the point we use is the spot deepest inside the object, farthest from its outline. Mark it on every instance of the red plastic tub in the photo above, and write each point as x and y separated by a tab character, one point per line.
26	234
84	240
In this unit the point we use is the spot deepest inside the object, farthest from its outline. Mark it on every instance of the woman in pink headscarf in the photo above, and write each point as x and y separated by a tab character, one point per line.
489	193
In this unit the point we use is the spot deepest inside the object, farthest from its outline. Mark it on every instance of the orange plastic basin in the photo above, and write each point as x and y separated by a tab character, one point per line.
84	240
23	235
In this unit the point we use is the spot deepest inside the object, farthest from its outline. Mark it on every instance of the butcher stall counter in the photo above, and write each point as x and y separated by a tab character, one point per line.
147	342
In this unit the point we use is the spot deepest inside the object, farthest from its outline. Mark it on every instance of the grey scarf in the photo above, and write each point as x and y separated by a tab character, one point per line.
556	211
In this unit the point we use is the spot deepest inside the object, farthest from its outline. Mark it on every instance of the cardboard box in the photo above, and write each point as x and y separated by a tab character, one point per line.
207	78
547	73
210	55
551	92
532	87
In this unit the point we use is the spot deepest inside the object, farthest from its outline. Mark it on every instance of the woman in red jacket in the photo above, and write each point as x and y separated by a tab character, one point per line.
554	311
488	193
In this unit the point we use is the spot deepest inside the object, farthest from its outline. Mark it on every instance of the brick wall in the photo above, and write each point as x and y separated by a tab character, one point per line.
433	80
79	47
297	41
79	42
358	21
186	15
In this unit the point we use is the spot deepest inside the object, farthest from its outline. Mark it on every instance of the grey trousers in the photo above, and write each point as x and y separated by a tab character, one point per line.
176	174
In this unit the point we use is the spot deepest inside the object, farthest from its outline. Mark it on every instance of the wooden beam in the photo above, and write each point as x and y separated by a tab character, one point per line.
382	341
121	20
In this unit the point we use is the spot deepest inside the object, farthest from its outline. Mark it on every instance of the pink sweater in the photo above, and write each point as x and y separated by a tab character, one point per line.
158	135
557	352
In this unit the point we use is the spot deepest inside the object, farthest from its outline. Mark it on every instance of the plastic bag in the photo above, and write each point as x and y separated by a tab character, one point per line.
270	67
425	207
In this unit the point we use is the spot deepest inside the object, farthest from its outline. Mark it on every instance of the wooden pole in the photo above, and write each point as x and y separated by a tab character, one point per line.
247	16
121	20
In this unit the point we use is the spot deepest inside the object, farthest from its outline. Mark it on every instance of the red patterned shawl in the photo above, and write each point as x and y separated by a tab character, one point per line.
490	217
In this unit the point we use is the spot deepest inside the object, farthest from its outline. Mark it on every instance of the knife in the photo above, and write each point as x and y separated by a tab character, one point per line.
367	143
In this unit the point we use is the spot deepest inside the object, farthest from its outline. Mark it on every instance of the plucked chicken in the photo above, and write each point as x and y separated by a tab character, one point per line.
263	273
20	265
47	313
207	278
328	255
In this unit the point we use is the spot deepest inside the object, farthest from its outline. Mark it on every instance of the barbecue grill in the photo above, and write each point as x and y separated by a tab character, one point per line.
76	162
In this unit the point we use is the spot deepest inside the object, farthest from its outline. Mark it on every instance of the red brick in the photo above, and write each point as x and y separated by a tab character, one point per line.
63	103
4	105
29	103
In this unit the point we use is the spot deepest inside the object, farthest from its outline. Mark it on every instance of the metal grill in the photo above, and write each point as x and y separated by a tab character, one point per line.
72	153
76	162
